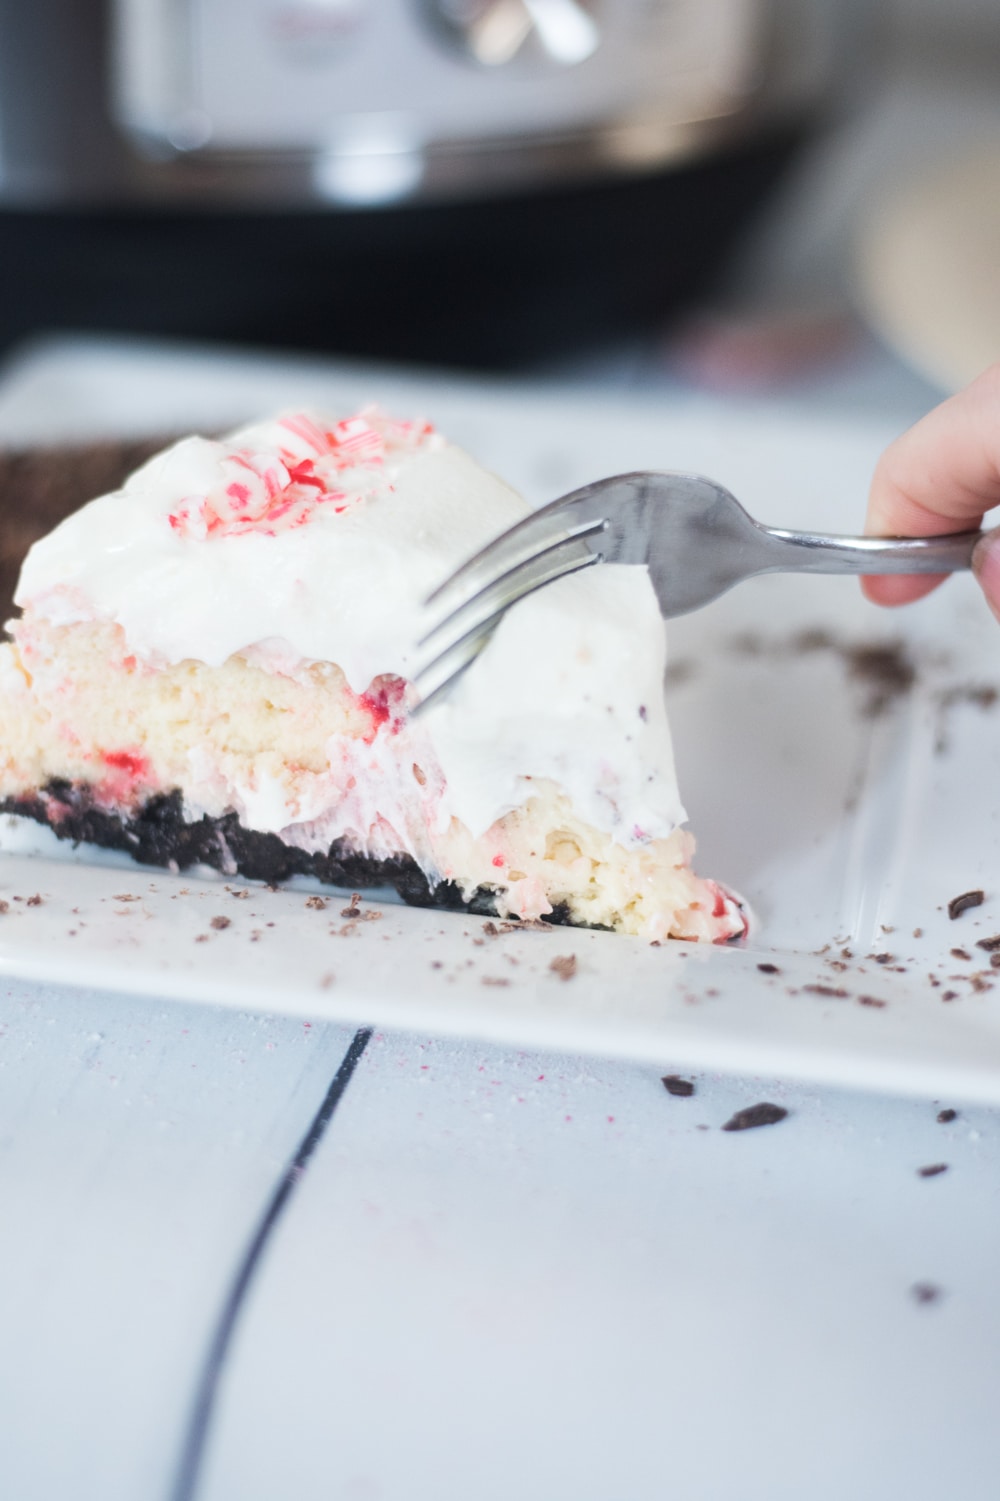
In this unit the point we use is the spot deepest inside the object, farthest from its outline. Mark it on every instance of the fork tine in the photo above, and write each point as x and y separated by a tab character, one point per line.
505	589
535	533
472	640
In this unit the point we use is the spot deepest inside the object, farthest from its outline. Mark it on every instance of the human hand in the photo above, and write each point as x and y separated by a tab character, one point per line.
942	476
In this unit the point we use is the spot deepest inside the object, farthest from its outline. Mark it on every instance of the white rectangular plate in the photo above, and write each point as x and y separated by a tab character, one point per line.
847	830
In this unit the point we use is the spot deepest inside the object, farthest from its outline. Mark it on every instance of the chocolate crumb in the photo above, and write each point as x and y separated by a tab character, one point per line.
882	958
847	953
925	1292
918	932
769	969
354	909
437	964
989	944
980	983
316	903
933	1170
4	906
960	954
960	904
831	990
945	1117
201	938
494	980
764	1114
683	1089
491	930
218	923
995	961
241	895
33	901
870	1000
949	995
564	965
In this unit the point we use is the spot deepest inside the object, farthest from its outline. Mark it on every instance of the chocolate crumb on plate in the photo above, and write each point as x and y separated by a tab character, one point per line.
961	954
989	944
682	1089
925	1292
932	1170
962	903
835	991
769	969
949	995
316	903
33	901
218	923
564	965
764	1114
945	1117
871	1000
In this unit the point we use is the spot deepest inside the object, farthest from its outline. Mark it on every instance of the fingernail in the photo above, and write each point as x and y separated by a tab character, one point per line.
986	567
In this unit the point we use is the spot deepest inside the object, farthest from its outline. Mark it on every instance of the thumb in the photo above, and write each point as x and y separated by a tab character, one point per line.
986	567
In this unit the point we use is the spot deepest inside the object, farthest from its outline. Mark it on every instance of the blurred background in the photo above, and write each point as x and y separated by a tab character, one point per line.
737	193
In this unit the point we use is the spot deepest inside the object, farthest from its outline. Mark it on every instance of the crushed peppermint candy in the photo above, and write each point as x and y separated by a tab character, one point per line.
294	468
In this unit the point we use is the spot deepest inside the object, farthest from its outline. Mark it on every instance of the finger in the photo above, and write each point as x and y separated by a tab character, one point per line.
941	476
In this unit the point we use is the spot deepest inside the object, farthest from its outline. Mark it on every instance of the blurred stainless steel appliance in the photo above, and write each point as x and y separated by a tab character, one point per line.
318	141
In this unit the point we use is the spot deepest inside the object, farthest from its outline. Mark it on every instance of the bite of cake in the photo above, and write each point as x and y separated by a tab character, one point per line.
211	665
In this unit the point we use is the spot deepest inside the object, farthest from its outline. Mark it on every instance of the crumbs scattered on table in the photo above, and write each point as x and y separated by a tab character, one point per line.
218	923
963	902
563	965
764	1114
682	1089
769	969
945	1117
932	1170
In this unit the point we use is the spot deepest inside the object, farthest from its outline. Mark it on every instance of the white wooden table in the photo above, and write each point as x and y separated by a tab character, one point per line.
493	1274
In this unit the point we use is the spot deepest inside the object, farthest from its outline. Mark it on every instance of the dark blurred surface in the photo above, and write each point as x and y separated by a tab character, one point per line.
494	284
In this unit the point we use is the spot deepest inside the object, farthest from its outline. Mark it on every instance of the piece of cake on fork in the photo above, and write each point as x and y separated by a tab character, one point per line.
211	666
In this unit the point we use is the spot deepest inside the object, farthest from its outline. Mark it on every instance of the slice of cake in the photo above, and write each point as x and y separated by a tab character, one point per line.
211	666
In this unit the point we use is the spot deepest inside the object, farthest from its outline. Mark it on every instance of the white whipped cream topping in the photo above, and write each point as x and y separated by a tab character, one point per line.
303	539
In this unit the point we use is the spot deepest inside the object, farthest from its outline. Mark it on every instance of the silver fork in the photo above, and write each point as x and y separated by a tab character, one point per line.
695	537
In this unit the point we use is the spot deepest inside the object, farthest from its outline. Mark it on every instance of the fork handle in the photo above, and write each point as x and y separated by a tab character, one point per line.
817	552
